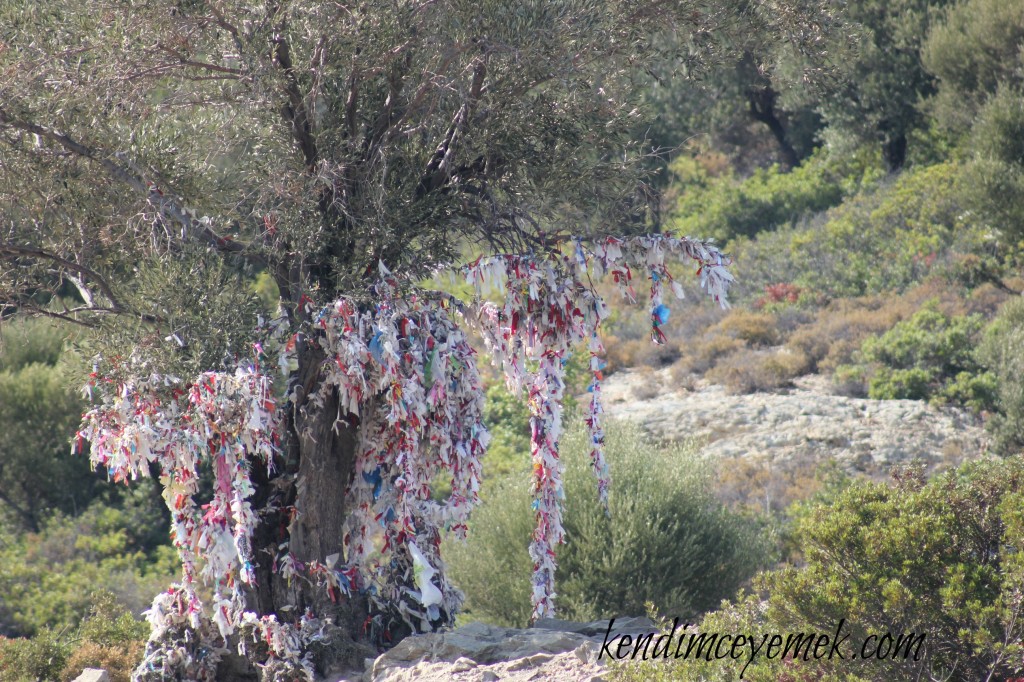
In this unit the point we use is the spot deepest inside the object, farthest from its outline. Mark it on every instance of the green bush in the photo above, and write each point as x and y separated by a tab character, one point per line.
30	341
38	417
931	355
994	182
46	578
109	638
508	420
726	207
888	237
973	51
668	541
1002	351
940	558
40	659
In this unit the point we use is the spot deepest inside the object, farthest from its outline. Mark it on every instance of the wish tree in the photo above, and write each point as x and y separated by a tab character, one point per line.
162	163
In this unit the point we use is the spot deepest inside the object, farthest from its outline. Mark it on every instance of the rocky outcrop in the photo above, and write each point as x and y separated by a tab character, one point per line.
804	424
551	650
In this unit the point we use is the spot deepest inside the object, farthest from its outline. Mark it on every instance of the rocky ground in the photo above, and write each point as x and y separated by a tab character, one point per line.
806	424
551	650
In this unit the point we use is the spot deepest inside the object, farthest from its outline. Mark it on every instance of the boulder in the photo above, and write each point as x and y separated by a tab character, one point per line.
93	675
477	652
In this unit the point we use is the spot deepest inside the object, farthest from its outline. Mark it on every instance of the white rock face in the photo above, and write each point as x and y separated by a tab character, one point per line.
551	650
802	424
93	675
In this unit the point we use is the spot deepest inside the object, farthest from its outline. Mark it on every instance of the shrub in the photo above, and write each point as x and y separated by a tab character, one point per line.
701	355
995	178
756	329
508	420
884	239
748	371
771	486
940	557
974	50
642	352
109	638
1002	352
667	540
725	207
778	295
40	659
937	557
38	416
46	578
729	344
928	356
31	341
839	329
976	390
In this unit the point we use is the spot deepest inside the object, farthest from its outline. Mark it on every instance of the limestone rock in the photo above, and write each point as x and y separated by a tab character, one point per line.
93	675
796	427
551	650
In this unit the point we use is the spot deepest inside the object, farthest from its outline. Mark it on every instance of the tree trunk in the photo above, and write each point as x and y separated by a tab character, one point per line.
303	504
894	152
762	108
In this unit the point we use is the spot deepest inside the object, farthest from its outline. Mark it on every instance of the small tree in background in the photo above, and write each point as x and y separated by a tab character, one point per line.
677	546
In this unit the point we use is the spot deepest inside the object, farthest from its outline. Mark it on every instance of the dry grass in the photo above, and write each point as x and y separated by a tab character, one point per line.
119	661
755	329
751	370
758	485
740	349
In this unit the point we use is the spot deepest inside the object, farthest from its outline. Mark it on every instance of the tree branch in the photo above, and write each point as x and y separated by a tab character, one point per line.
34	252
185	61
167	206
295	112
438	169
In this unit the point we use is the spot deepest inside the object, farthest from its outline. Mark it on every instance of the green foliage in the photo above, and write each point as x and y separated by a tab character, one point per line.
206	310
31	341
109	638
667	541
938	557
928	356
736	110
973	51
1002	352
38	417
40	659
881	79
882	239
108	624
508	420
996	175
47	578
726	207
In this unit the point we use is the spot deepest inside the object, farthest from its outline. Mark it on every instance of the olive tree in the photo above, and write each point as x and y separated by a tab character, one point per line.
159	156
